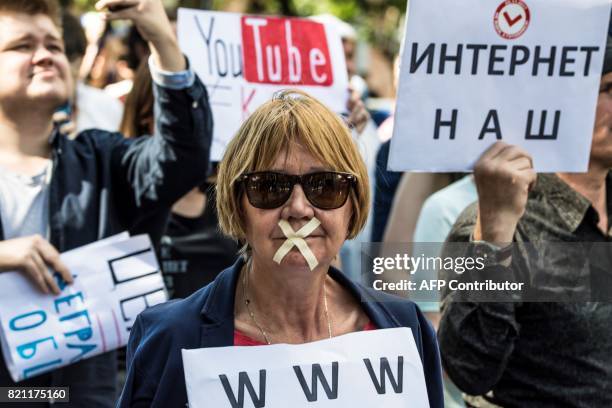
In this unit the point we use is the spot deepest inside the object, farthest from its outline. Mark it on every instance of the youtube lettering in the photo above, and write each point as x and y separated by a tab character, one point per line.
283	51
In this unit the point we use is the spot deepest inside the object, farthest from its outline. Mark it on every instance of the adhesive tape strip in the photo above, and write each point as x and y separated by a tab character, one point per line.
296	238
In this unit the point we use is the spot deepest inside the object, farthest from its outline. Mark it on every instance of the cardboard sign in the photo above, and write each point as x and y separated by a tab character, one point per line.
114	280
378	368
244	59
525	72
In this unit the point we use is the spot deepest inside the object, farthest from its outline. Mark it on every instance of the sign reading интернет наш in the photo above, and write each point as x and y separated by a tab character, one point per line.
525	72
531	272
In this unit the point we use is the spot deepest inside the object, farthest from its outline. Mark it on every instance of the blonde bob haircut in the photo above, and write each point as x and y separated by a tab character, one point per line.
291	117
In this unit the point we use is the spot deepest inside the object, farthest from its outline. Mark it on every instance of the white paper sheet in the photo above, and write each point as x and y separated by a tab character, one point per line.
114	280
566	94
232	52
378	368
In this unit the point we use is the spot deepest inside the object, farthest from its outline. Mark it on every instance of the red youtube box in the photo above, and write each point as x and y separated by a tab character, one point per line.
285	51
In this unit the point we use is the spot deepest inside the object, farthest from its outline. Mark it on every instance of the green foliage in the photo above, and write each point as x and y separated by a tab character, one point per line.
376	21
346	10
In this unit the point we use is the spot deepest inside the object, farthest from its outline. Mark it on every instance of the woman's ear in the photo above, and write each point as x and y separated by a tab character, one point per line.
352	218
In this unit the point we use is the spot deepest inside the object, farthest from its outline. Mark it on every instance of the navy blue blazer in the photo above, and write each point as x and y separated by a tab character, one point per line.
155	376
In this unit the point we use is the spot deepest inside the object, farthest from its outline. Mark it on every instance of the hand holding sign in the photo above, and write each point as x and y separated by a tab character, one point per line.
504	175
115	279
521	71
33	256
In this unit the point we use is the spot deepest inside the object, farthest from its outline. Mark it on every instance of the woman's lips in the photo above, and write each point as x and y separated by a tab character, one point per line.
310	236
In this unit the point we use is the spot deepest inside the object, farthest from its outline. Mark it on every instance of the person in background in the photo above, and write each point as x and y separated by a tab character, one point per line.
411	193
292	161
138	116
90	107
192	250
363	131
435	221
105	68
545	353
57	194
135	51
398	196
96	29
385	186
385	181
349	38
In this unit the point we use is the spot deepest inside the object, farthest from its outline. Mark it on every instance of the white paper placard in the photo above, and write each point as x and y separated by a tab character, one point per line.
114	280
377	368
244	59
474	73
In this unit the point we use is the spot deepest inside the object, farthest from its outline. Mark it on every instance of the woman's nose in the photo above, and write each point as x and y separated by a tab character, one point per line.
298	205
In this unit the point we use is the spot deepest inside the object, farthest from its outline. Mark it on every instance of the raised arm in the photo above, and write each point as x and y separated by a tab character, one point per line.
477	338
152	173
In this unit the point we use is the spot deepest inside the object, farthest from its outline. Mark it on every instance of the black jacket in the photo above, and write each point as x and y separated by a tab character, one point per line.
103	184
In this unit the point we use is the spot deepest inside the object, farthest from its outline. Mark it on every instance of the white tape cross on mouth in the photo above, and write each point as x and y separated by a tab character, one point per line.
296	238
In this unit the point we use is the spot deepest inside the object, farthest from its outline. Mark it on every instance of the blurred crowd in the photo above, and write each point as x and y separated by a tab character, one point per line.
109	63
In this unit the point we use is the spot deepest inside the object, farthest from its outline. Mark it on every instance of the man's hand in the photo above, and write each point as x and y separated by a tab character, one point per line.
151	20
504	175
358	114
33	256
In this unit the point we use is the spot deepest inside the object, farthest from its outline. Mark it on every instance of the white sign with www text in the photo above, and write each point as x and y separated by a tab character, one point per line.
377	368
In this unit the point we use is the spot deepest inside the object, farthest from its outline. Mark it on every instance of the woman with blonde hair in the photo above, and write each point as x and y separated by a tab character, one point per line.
292	169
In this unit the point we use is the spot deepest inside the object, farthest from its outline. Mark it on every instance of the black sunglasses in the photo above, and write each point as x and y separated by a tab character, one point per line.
326	190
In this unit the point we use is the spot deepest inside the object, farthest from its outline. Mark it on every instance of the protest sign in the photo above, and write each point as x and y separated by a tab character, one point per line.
244	59
114	280
378	368
522	71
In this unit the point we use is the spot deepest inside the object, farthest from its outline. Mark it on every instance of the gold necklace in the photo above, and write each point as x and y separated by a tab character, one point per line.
247	303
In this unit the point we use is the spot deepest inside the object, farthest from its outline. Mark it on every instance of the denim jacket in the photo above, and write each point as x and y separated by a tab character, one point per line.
103	184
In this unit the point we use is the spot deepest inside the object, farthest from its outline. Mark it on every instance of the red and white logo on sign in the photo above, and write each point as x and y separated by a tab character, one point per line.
511	19
285	51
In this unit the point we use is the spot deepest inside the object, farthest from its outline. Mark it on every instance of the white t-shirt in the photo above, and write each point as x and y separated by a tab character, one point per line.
442	208
24	203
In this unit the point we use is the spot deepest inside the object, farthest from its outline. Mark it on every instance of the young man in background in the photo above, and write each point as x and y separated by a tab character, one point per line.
57	194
